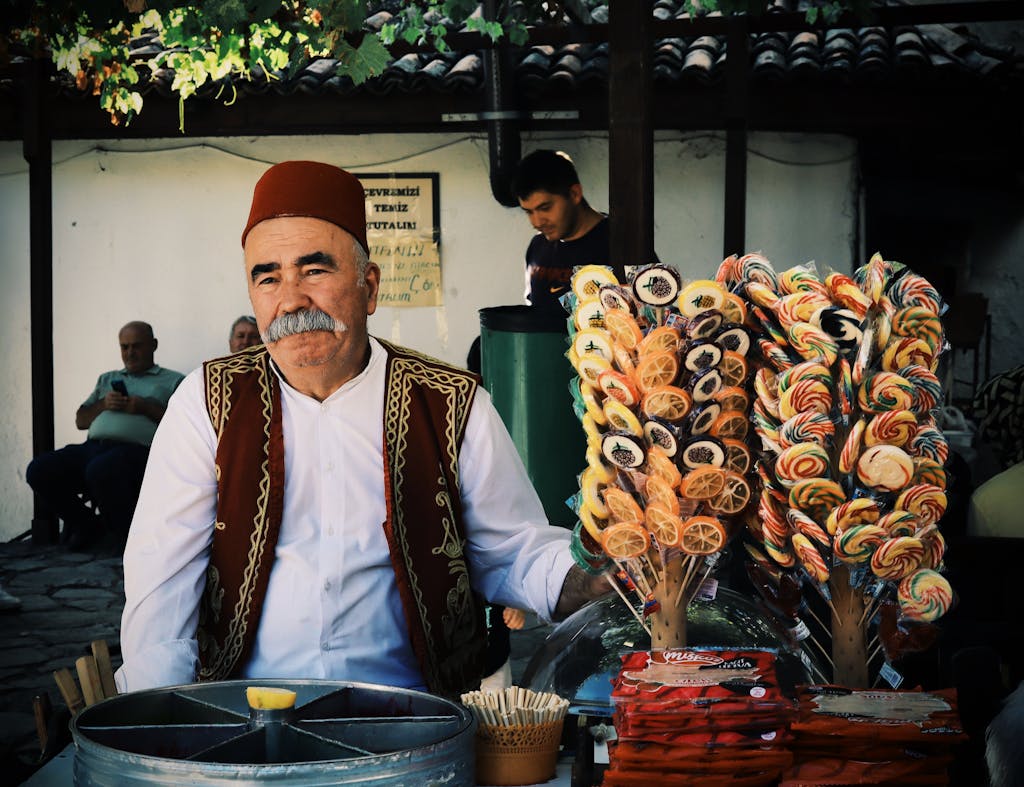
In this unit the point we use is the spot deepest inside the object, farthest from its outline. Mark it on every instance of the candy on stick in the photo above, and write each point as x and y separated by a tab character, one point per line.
859	511
589	314
885	468
810	558
857	543
704	325
919	323
816	497
588	280
884	391
806	427
851	447
843	325
914	290
734	338
663	434
703	418
701	355
657	285
733	398
927	388
801	278
928	471
803	460
897	557
702	451
737	455
756	268
661	339
899	523
924	595
813	343
667	402
806	395
734	309
760	294
726	272
702	535
623	449
847	294
798	307
614	296
925	501
623	328
619	416
807	527
894	427
700	296
619	386
906	352
929	442
656	368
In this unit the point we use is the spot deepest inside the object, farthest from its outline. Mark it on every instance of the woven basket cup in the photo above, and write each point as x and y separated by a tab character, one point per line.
518	754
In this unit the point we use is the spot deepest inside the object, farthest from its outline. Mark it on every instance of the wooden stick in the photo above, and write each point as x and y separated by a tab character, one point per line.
42	710
101	653
69	690
872	607
824	652
89	678
682	585
699	585
874	652
615	586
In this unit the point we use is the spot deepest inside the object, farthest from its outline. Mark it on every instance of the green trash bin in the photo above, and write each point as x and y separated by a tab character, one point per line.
523	363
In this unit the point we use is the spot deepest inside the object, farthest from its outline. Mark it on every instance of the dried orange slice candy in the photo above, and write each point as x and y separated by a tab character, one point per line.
733	398
623	359
734	496
623	328
666	401
656	368
732	424
703	483
737	455
621	505
618	386
665	526
702	535
619	416
658	490
664	338
625	540
733	308
660	464
733	368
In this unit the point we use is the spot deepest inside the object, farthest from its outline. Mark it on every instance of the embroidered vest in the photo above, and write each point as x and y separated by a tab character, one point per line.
426	407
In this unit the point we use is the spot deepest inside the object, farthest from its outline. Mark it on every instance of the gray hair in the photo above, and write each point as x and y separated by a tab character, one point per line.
362	261
244	318
304	321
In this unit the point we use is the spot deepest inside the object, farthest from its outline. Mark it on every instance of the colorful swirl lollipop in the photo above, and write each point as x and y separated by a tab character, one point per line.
895	427
856	544
803	460
799	307
847	294
813	343
756	268
905	351
800	278
885	468
935	547
782	555
804	396
884	391
924	595
876	277
810	558
859	511
767	390
843	325
760	294
914	290
897	557
809	426
925	501
844	386
727	273
851	448
816	497
774	354
927	388
765	425
803	524
773	527
899	523
917	322
928	471
805	370
929	442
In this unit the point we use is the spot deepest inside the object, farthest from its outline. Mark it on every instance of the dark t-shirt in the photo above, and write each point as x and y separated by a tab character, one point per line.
549	264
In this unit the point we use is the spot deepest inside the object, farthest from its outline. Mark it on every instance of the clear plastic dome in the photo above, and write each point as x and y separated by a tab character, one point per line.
582	655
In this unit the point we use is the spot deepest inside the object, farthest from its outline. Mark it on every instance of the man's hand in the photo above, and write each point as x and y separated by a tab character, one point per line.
117	401
578	589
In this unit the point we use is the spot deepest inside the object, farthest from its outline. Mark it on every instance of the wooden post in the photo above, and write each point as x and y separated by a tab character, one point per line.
668	624
849	651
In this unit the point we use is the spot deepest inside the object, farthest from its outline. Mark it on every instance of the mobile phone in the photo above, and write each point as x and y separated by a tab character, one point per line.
119	386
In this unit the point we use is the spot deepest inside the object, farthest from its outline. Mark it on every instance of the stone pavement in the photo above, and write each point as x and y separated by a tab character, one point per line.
68	600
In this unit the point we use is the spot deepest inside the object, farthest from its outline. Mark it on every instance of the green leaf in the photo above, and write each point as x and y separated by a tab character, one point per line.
370	59
812	14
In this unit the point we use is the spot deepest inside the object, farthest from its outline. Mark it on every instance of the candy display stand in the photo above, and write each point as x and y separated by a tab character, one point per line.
849	651
517	754
668	623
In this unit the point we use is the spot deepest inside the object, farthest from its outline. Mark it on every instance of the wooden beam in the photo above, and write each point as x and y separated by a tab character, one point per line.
737	79
630	136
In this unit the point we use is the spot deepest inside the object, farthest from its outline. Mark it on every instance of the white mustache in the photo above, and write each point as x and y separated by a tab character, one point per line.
303	321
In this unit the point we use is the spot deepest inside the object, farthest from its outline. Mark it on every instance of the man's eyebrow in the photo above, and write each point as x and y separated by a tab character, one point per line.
265	267
317	258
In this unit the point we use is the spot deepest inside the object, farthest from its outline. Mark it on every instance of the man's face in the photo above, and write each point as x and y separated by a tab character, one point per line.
301	264
245	334
137	348
554	216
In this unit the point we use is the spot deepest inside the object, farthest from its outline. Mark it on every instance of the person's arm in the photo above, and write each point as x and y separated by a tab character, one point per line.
168	547
153	409
516	558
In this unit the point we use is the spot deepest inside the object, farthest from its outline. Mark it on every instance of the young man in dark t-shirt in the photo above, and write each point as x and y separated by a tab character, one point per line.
569	231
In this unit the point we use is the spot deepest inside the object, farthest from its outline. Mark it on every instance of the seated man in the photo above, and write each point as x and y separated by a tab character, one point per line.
330	505
121	415
244	333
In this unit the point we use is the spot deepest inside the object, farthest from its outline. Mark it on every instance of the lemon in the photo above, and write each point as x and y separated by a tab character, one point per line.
269	698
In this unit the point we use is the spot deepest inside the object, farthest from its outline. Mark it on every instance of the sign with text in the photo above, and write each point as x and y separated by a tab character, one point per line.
403	229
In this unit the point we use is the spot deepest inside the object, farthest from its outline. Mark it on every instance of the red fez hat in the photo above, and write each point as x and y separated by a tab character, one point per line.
309	188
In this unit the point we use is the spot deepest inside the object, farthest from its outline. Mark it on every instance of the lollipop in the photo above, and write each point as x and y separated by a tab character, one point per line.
766	388
803	460
702	535
658	490
885	468
734	496
591	367
733	368
859	511
705	384
622	507
699	356
842	325
618	416
935	547
810	558
733	398
623	328
703	418
800	278
773	526
799	307
667	402
898	523
851	448
884	391
657	285
590	487
699	296
663	524
929	442
593	341
782	555
810	426
856	544
847	294
894	427
803	524
727	273
804	396
737	455
897	557
925	501
913	290
587	280
760	294
876	277
924	595
623	449
816	497
614	296
756	268
774	354
844	386
928	471
927	388
907	352
619	386
704	325
703	483
664	338
734	309
625	540
918	322
589	313
661	433
764	424
701	451
656	368
734	338
806	370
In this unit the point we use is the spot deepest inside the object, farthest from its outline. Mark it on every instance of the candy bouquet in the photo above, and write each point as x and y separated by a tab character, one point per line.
851	467
664	397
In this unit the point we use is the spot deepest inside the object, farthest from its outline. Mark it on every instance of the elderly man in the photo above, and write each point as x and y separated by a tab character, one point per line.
330	505
121	415
244	334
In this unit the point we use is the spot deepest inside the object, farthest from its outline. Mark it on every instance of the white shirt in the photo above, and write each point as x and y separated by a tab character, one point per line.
332	608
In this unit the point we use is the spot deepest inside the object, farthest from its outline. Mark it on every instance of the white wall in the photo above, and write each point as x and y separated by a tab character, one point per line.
150	230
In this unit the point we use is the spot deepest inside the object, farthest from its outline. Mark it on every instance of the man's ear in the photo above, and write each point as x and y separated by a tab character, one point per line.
372	281
155	343
576	193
